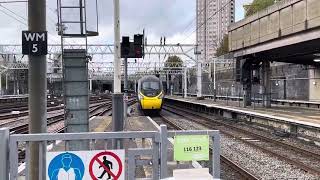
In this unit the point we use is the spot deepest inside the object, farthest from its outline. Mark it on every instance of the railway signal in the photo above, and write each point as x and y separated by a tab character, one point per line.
133	49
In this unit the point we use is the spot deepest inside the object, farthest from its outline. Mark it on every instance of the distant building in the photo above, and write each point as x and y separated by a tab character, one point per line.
213	19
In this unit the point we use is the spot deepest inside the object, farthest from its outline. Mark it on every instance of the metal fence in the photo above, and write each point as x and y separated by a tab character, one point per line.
11	145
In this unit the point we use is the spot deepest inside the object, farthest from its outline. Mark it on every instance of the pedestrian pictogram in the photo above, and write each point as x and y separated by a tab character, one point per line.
66	166
83	165
107	165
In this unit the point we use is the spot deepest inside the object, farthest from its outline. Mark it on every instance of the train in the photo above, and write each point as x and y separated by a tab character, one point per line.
150	93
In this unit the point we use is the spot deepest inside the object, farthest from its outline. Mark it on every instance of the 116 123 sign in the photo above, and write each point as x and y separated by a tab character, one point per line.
191	147
34	43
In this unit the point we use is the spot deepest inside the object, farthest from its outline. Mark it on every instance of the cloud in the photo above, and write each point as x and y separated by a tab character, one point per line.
174	19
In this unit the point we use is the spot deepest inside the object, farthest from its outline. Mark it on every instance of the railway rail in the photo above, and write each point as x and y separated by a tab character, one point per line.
10	118
243	173
95	110
306	159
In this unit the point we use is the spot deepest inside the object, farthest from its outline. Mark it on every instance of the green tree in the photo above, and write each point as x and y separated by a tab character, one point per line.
223	47
173	61
257	5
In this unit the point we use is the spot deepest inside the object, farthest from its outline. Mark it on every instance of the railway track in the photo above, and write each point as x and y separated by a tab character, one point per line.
305	159
7	119
243	173
95	110
59	117
98	109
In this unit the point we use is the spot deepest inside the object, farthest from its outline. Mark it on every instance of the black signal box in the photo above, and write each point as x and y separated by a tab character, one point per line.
132	49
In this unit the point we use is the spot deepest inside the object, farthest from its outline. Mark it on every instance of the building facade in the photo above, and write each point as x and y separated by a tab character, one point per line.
213	19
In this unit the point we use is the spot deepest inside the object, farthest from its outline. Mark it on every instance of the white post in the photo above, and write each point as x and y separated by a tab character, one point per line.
117	97
90	85
117	58
185	83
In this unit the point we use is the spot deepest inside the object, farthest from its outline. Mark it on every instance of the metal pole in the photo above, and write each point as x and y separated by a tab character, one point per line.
0	84
214	81
6	83
15	83
125	87
90	85
168	83
185	83
199	79
4	153
117	59
117	97
37	91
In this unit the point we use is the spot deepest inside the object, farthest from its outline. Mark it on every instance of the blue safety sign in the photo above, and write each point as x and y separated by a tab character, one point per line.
86	165
66	166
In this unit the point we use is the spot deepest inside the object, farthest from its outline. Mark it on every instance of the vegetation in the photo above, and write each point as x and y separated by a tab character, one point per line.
173	61
258	5
223	47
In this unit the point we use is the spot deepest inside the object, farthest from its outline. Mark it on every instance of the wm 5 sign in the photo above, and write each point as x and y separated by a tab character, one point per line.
34	43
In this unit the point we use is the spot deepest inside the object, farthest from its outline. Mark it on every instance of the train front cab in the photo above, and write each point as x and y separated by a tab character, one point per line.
151	103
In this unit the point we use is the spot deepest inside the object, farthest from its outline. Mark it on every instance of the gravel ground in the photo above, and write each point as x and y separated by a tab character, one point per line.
260	164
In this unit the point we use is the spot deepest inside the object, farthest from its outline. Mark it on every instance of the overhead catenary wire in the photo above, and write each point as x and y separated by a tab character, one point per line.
8	2
19	18
215	13
195	18
14	17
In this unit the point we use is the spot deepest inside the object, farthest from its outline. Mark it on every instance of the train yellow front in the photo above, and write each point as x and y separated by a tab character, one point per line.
150	93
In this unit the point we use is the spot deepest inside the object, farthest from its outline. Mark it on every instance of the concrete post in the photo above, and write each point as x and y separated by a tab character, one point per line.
117	97
76	90
266	71
4	153
247	95
163	151
216	157
37	80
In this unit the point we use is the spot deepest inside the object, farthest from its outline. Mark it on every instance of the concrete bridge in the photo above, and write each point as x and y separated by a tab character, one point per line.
288	31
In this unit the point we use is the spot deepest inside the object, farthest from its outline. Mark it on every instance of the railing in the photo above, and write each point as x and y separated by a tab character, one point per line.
11	144
288	102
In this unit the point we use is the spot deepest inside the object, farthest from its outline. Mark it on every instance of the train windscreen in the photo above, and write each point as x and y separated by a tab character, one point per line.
150	88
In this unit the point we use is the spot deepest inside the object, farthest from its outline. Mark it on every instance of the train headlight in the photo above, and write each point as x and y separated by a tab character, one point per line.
140	96
161	96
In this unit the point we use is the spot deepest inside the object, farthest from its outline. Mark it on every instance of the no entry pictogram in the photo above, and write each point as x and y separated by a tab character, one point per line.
115	175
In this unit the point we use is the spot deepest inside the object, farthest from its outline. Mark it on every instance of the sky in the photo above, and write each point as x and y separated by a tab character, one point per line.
174	19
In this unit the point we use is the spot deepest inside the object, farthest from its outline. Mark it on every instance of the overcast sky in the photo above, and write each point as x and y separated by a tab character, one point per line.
174	19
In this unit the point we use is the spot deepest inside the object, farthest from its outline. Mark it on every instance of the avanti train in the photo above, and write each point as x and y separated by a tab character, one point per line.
150	93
